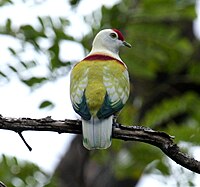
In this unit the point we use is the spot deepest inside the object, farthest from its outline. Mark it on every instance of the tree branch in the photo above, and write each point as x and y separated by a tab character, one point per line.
2	184
127	133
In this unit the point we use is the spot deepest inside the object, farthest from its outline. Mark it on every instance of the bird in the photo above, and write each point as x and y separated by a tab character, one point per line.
99	88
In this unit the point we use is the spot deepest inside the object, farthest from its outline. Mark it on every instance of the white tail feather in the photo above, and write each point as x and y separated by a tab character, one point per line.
97	133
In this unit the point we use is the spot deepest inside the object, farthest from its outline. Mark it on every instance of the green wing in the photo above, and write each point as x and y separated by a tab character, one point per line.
78	84
117	91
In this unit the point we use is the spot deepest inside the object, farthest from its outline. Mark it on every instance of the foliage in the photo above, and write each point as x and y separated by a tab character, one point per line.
163	66
15	173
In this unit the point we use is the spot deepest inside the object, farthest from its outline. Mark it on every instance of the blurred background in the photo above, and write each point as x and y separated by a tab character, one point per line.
41	40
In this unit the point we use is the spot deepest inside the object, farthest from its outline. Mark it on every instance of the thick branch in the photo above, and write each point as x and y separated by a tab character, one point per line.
133	133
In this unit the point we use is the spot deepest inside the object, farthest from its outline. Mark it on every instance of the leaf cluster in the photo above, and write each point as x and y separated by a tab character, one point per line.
15	173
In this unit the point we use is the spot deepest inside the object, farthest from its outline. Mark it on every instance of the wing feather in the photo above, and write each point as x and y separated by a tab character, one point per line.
78	84
117	92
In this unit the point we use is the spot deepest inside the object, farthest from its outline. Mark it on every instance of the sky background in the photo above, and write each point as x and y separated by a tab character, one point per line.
16	99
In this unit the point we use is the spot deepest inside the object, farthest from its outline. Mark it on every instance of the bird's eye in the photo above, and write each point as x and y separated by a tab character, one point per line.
113	35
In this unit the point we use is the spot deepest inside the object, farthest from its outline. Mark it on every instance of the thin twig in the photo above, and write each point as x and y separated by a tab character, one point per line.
25	142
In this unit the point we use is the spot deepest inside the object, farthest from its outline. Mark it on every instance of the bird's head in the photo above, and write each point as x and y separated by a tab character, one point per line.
109	40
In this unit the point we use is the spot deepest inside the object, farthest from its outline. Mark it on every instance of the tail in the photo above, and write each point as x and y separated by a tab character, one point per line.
97	133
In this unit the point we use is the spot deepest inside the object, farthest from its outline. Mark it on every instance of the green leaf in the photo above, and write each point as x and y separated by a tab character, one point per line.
3	75
5	2
74	2
13	68
41	21
33	81
46	104
13	52
8	25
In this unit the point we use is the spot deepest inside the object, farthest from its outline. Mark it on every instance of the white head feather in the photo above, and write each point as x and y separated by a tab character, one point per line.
108	42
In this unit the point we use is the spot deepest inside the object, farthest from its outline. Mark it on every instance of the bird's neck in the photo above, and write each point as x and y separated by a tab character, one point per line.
101	50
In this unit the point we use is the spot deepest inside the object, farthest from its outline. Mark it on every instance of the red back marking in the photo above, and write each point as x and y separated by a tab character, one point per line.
101	57
120	35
